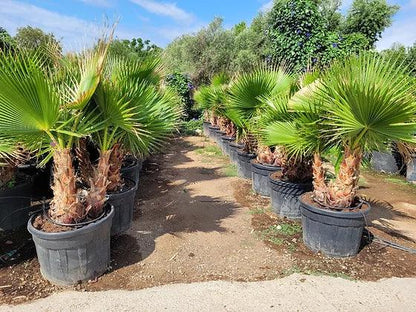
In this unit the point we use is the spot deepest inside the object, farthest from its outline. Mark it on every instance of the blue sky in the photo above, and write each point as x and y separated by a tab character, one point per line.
76	22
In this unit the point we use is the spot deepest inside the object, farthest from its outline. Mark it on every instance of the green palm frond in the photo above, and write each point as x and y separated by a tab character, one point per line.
78	92
249	91
29	103
370	102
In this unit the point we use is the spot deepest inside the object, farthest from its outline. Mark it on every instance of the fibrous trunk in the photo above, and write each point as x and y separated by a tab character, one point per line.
96	197
297	170
250	143
85	167
341	193
65	206
266	156
114	172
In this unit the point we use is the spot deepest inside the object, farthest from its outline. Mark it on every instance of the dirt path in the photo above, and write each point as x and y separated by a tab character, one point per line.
195	221
190	228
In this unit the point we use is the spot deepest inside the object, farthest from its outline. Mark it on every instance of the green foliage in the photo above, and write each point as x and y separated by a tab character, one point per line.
182	84
369	17
297	32
134	48
306	33
6	41
403	55
214	49
360	103
191	127
35	39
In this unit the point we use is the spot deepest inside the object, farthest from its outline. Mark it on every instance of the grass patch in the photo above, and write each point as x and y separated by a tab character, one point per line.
296	269
399	181
257	211
230	170
209	150
280	233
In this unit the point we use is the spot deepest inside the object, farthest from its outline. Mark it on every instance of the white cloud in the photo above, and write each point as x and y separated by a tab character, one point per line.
166	9
267	6
73	32
399	32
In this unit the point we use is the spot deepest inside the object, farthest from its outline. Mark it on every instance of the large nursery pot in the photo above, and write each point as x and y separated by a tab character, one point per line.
225	144
260	175
244	164
205	128
234	147
15	206
334	233
132	170
82	254
285	196
213	131
219	134
411	170
123	202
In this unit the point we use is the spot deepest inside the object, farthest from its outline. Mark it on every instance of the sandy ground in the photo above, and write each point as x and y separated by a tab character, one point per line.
293	293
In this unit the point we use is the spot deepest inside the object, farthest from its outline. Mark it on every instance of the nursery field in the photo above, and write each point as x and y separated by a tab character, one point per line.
195	220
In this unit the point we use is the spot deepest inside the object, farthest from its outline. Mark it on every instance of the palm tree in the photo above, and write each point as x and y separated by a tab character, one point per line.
136	117
360	104
248	94
48	116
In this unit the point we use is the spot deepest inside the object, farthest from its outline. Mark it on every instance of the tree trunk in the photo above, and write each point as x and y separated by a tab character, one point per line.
65	206
320	188
342	192
114	172
86	169
96	197
344	189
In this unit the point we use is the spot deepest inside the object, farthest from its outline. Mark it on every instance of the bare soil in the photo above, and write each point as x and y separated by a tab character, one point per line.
195	221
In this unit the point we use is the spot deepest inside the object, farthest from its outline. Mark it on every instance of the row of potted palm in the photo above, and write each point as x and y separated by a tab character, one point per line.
86	114
359	104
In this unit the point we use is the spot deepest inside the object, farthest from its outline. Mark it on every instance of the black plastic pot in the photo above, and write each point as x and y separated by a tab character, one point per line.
411	169
285	197
226	140
15	206
244	164
334	233
260	176
206	126
83	254
123	203
132	171
234	147
219	134
213	132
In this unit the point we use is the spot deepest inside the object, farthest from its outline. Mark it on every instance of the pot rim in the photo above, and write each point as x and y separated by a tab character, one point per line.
68	234
334	213
242	153
132	188
259	165
274	180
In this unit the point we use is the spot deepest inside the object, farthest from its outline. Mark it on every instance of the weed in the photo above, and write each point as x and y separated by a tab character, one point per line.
229	171
257	211
209	150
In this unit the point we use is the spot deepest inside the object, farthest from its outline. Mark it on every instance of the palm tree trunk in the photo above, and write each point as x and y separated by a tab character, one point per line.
114	173
320	188
96	197
344	189
65	206
86	169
